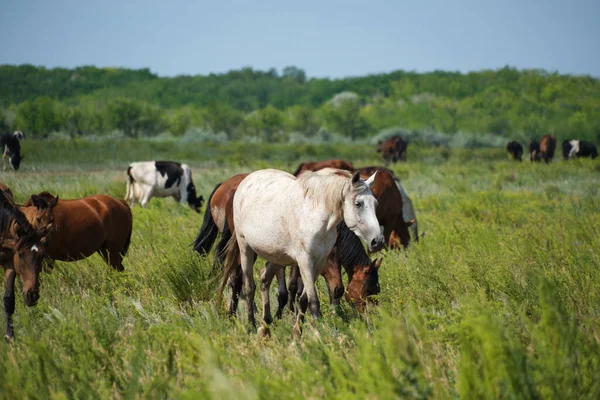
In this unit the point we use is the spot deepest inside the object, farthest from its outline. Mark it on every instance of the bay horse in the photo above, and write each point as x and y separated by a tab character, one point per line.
288	220
395	211
82	227
393	149
544	150
21	254
218	218
318	165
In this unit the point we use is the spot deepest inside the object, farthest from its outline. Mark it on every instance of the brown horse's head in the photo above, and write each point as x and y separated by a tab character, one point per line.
42	218
363	283
27	261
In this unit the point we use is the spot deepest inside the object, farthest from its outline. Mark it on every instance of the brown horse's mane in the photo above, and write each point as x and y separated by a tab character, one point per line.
9	214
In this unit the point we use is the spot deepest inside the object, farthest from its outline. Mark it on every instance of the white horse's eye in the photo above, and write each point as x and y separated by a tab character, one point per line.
359	204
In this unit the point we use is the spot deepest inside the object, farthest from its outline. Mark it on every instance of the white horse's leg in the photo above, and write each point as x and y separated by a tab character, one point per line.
266	278
247	261
309	299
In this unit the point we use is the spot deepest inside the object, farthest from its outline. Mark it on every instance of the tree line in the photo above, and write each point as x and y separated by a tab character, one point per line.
272	106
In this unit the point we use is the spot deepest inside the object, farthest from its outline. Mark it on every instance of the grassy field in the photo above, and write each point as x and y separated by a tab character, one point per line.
501	299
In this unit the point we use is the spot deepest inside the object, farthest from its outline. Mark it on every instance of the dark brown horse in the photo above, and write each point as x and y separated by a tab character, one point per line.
82	227
317	165
395	211
393	149
21	253
544	150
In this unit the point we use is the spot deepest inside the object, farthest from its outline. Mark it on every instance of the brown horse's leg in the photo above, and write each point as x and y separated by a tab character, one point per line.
235	282
112	258
282	297
293	286
9	300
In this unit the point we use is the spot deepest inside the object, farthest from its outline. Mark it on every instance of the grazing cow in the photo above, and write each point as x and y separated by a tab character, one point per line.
515	149
393	149
11	147
544	150
579	148
149	179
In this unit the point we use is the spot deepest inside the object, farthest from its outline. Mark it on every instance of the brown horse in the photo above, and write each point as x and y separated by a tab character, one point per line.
393	149
98	223
21	253
39	213
543	151
394	211
317	165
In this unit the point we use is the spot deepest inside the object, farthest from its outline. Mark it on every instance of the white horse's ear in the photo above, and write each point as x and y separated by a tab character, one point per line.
371	181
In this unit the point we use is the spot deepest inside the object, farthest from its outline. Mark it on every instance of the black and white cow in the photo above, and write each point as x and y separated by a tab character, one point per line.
149	179
11	147
578	148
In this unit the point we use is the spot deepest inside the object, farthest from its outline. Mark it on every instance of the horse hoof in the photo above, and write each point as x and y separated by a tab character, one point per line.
264	331
297	332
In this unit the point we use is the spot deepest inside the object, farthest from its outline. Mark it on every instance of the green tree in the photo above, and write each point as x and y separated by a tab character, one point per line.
40	116
301	119
344	116
135	118
220	117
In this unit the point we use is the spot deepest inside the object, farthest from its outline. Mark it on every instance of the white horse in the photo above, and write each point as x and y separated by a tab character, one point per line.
292	221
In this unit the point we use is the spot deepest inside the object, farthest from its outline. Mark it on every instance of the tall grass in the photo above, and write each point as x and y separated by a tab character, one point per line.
499	300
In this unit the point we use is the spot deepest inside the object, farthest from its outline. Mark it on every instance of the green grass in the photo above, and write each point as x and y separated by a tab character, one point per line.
501	299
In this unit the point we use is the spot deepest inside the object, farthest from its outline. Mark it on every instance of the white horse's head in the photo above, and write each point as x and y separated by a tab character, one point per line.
359	212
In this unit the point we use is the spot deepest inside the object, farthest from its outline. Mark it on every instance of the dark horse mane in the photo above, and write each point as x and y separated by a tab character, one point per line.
350	250
9	213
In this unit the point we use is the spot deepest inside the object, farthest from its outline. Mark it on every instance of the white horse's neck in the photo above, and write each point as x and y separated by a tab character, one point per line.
327	192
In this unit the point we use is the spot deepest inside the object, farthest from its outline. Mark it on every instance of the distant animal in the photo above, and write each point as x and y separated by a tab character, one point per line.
544	150
515	149
393	149
318	165
11	148
578	148
149	179
288	220
82	227
395	211
218	218
21	254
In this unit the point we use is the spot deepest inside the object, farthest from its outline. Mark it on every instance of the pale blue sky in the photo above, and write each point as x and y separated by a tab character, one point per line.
325	38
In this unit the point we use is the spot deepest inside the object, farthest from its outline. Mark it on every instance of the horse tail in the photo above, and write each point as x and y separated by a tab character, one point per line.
128	239
208	231
130	181
298	170
232	250
221	250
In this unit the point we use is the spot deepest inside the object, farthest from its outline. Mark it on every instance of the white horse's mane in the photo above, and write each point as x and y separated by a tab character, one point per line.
329	187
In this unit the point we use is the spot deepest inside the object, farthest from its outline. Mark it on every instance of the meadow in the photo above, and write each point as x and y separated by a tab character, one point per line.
500	299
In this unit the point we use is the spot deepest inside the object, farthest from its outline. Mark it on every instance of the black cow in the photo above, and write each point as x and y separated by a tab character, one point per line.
578	148
515	149
11	147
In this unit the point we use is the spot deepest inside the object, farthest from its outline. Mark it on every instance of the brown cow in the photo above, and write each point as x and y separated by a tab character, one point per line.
545	150
393	149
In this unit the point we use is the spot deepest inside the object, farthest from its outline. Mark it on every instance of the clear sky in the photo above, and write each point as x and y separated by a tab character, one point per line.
326	38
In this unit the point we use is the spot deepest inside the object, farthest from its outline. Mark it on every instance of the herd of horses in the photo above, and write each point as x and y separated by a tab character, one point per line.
313	221
545	148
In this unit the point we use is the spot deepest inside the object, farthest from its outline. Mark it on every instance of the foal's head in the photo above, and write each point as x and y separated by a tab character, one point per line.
43	218
27	261
359	212
363	283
